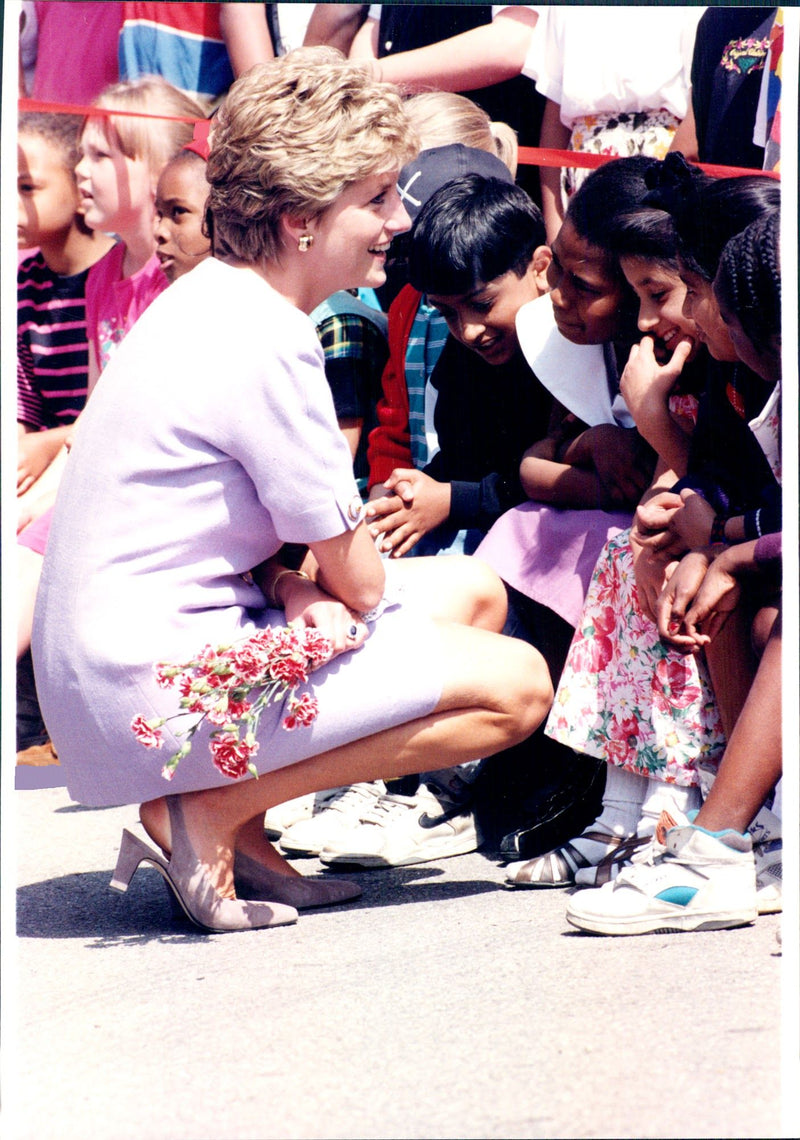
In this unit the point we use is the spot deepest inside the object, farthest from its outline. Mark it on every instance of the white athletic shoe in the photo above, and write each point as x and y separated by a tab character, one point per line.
340	812
702	881
399	831
282	816
769	876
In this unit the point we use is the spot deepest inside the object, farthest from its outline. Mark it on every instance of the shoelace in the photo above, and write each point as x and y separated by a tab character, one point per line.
349	798
386	805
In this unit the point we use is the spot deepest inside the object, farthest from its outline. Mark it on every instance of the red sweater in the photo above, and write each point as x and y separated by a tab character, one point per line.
390	442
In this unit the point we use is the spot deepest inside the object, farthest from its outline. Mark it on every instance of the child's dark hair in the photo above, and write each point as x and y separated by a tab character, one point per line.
708	211
62	131
471	231
748	281
648	230
647	233
614	188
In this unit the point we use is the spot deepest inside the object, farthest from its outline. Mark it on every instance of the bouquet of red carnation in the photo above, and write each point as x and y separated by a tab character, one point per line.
218	686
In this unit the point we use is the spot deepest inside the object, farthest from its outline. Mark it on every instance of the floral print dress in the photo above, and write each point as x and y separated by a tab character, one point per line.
627	697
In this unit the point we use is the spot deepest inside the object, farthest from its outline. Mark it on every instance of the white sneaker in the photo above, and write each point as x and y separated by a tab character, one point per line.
399	831
282	816
769	876
703	881
339	813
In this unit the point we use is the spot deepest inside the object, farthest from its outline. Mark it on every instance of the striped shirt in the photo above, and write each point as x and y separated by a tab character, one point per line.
183	42
52	347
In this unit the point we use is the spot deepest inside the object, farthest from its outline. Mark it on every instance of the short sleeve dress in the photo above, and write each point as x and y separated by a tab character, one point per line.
209	441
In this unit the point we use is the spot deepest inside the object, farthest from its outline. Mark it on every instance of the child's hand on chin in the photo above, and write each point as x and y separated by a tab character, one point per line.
644	378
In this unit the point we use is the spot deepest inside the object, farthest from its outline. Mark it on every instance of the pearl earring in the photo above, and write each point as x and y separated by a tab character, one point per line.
305	243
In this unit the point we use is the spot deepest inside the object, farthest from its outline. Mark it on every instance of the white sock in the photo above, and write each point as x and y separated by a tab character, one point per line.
622	801
622	807
661	796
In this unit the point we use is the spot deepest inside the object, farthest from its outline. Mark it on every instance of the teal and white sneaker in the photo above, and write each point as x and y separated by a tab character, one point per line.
698	880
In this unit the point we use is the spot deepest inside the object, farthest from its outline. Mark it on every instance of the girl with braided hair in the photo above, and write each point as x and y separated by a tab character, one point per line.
748	290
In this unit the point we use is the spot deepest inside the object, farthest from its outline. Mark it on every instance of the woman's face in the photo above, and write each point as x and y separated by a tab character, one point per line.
700	305
114	189
352	238
180	210
587	295
661	294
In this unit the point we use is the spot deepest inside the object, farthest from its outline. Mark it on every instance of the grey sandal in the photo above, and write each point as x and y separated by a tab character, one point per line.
557	868
610	865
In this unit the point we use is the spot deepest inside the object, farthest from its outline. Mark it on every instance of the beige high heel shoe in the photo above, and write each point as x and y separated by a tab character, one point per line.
190	883
255	881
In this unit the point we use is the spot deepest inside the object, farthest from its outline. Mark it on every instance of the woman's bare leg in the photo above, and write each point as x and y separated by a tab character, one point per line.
496	691
455	588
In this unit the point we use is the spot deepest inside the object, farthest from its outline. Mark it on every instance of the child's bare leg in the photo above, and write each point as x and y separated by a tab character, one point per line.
753	761
496	691
29	571
732	667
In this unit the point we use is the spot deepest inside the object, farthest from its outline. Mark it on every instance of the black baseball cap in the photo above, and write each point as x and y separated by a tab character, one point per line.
431	169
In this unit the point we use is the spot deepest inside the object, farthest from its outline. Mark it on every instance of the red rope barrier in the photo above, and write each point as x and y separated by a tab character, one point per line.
544	156
527	155
99	112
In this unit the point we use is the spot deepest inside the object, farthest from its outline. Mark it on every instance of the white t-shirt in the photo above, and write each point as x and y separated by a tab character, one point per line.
605	59
293	22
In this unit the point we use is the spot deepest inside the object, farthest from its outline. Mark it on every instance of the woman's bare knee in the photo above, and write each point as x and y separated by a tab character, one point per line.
454	588
503	675
532	694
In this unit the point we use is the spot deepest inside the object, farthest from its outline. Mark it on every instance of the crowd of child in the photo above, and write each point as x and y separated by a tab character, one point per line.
575	383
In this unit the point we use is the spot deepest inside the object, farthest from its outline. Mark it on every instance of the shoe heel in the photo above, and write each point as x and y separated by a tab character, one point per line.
131	853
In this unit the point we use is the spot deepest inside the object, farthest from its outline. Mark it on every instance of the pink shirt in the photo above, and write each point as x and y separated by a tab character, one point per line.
114	303
76	55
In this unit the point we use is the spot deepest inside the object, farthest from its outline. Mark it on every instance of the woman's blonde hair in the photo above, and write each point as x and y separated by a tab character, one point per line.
155	140
442	117
289	137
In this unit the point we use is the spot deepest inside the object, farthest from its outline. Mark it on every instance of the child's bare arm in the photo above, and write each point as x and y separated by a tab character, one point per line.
36	450
570	466
561	484
552	135
620	458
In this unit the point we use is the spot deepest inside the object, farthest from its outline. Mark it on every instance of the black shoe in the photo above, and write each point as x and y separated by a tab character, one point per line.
563	811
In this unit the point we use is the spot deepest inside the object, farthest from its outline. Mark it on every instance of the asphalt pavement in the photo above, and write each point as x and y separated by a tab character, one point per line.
441	1004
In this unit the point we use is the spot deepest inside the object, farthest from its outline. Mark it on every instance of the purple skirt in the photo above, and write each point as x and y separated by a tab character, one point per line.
550	554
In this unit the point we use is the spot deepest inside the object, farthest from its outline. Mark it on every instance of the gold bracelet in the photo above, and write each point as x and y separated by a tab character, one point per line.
273	597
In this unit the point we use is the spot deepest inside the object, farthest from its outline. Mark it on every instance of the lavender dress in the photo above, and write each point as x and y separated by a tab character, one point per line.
210	440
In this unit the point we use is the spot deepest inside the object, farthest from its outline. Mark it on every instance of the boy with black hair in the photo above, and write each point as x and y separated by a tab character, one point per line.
441	473
445	458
